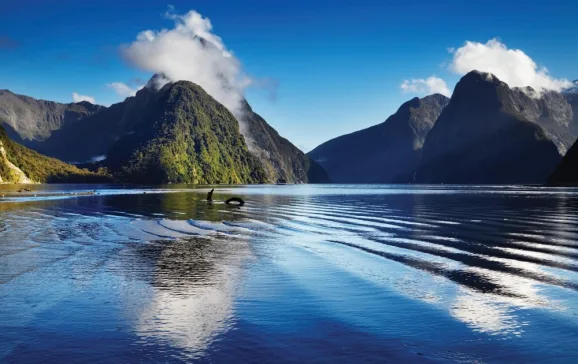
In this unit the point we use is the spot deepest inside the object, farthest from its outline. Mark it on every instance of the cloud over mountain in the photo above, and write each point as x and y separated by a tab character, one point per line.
430	85
76	97
512	66
191	51
123	90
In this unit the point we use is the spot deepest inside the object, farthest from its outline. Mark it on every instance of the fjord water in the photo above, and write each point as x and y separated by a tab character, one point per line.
423	274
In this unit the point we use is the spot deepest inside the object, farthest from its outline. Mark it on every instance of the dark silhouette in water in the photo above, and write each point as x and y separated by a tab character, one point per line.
239	201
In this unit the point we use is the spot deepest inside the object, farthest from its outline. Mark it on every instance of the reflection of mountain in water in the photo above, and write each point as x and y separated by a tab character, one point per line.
194	282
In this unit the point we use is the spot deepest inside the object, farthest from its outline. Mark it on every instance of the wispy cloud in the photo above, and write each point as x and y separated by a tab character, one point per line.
430	85
191	51
124	90
76	97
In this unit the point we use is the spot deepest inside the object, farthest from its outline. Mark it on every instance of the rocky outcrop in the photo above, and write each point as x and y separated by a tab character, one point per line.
13	174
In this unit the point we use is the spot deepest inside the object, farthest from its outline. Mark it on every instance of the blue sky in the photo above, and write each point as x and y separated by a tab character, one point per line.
338	65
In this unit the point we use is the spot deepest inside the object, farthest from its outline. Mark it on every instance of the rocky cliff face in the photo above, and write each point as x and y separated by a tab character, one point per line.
551	110
12	174
385	153
32	121
490	133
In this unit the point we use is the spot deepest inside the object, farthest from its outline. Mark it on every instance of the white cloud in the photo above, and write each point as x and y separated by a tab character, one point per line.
123	90
78	98
512	66
191	51
430	85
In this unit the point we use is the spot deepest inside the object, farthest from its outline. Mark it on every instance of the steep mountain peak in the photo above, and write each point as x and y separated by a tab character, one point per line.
476	82
157	81
433	99
88	106
436	97
84	103
480	76
416	103
491	133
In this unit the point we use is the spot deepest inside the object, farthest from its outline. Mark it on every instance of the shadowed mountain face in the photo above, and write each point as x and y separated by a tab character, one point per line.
384	153
490	133
281	159
95	135
32	121
566	174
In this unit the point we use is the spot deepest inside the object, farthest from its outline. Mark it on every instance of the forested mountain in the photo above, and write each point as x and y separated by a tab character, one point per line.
19	164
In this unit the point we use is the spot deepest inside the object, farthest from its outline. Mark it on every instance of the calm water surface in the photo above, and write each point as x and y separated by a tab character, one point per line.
319	274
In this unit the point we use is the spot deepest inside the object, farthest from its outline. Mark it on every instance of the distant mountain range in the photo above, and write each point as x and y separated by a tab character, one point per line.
178	134
33	121
486	133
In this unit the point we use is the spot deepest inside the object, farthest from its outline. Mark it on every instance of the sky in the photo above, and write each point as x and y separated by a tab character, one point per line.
313	69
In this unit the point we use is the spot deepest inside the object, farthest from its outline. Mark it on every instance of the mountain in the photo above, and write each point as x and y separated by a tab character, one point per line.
384	153
179	134
566	174
91	138
19	164
32	121
107	133
283	162
490	133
